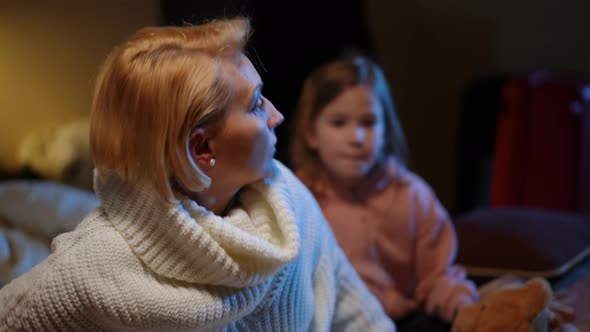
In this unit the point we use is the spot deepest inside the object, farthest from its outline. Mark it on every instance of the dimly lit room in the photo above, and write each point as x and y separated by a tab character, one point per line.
493	98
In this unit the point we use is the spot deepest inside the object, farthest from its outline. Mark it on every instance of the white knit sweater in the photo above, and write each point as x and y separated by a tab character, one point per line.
271	265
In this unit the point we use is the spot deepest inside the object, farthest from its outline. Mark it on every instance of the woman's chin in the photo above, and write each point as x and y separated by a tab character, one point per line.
267	173
270	170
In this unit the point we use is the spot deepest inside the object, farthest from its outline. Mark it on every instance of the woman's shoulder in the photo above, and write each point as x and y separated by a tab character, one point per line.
292	182
303	203
95	230
284	172
89	253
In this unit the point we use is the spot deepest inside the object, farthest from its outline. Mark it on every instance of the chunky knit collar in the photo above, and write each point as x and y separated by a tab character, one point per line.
189	243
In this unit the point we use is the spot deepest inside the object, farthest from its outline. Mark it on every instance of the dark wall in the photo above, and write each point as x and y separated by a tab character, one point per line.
290	38
433	51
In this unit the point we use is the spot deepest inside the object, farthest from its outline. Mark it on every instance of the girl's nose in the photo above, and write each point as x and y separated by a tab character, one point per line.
359	135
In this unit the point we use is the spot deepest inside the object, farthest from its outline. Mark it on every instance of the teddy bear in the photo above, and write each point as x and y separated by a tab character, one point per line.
525	308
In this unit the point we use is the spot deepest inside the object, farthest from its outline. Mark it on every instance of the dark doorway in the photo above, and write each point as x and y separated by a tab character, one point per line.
290	39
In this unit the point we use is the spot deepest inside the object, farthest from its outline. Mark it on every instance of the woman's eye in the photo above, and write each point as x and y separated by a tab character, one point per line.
368	122
259	103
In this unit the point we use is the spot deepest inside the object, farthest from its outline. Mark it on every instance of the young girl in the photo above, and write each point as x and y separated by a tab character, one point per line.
349	149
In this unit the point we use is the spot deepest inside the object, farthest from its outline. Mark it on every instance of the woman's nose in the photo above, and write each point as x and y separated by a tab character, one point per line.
275	117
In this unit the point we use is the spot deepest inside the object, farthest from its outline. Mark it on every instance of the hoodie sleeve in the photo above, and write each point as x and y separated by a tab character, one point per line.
442	287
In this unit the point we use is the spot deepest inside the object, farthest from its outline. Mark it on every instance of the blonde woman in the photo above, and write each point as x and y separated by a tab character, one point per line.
199	228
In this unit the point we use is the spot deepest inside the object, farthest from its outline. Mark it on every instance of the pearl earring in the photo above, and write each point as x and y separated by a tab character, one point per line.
212	162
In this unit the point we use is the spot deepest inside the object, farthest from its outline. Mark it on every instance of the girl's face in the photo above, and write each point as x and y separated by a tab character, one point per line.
348	134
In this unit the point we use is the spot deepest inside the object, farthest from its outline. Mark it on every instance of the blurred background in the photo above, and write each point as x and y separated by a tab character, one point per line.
433	53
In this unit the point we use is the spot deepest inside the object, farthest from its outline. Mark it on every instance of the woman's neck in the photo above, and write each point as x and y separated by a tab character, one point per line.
215	199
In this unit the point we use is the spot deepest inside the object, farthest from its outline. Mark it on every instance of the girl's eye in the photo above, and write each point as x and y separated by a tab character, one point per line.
368	122
338	122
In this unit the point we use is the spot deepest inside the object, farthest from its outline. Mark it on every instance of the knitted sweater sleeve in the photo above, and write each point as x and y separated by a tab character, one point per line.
48	298
356	309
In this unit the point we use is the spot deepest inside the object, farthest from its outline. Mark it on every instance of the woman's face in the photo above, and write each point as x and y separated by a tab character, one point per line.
244	145
348	134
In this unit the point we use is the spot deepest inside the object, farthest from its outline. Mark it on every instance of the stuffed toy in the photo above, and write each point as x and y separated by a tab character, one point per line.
525	308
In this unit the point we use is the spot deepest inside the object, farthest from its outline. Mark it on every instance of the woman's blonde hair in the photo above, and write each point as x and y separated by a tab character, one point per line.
152	91
320	88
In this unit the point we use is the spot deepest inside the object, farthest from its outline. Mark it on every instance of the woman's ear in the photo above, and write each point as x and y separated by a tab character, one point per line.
199	149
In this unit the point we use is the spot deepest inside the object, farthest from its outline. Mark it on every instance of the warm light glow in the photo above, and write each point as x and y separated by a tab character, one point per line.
50	55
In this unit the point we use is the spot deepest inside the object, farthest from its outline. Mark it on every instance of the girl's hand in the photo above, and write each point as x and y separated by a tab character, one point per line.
397	306
459	303
447	311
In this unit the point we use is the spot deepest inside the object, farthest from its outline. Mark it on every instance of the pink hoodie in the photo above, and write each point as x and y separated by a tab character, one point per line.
402	243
